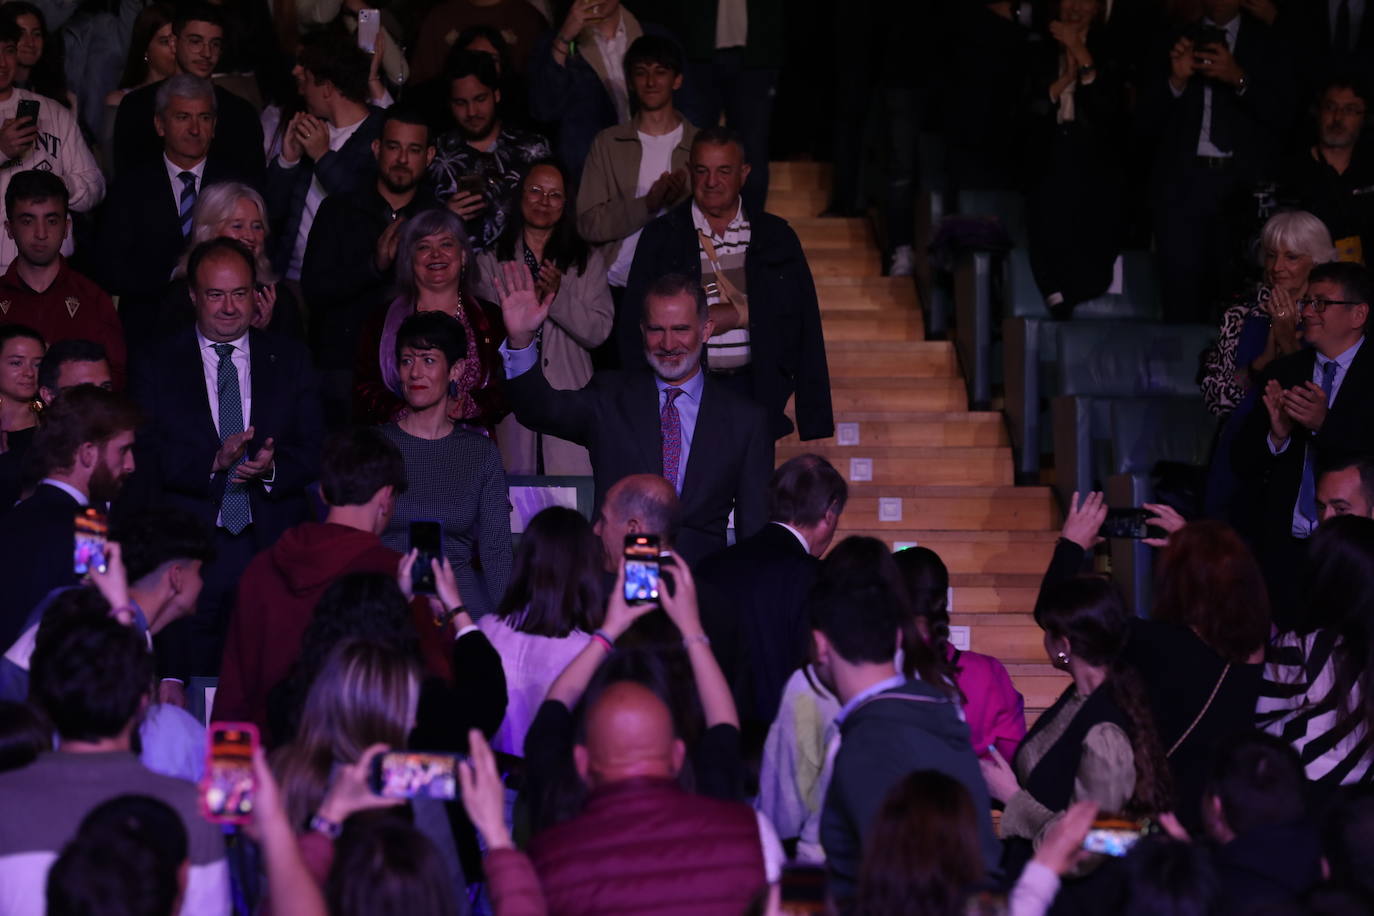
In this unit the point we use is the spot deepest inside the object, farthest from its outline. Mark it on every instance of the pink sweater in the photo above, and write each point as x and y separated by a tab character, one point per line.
995	711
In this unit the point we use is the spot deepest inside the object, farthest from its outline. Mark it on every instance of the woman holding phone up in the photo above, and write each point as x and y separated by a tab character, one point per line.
455	476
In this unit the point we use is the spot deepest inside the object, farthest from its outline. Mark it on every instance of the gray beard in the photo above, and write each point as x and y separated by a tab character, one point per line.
688	365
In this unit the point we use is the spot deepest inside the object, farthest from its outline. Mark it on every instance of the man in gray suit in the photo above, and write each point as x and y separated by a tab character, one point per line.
672	419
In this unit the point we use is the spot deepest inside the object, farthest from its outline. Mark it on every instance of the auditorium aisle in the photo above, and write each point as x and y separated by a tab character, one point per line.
922	468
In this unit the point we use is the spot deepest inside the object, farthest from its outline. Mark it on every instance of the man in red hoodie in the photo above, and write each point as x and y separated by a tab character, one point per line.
361	475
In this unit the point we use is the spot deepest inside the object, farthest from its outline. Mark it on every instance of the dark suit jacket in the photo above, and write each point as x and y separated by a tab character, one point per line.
788	351
1349	428
616	418
764	580
351	167
140	240
1256	121
177	444
238	133
36	542
1306	25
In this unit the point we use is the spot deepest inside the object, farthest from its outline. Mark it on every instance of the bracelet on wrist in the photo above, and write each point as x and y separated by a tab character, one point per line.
700	637
604	638
442	620
321	824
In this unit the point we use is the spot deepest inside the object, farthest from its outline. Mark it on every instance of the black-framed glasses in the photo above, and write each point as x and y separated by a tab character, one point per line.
1319	305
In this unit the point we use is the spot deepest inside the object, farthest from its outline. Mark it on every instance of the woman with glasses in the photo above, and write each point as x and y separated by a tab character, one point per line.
543	236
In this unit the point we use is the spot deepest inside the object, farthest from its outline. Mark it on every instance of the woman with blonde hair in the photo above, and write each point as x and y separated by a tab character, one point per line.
234	210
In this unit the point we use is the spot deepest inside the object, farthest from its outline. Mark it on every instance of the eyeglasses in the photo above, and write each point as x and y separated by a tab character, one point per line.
1321	305
1350	111
552	195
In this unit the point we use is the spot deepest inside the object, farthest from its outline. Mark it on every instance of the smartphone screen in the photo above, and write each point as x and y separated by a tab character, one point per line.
1112	836
226	792
415	774
92	530
1128	523
369	21
642	574
428	538
470	184
28	108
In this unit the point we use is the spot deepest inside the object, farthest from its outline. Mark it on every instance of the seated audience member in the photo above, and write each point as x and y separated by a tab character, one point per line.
542	236
889	725
350	258
455	474
763	580
1345	486
197	42
326	148
126	857
385	865
578	74
151	58
477	170
750	265
519	22
39	58
1317	692
1329	178
40	289
1098	742
231	209
641	841
83	451
1306	413
637	171
435	272
158	194
923	850
21	354
1077	148
233	435
1255	810
51	144
713	445
361	476
91	677
993	707
552	606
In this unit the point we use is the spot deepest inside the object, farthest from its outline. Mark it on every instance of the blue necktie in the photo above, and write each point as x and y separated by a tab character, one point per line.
1307	493
187	201
234	513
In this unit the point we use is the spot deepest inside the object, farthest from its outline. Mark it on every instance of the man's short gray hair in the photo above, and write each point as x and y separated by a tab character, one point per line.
184	86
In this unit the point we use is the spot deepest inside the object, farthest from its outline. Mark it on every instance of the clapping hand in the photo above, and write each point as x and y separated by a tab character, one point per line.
522	308
260	465
264	304
1306	403
1280	423
312	134
665	189
550	280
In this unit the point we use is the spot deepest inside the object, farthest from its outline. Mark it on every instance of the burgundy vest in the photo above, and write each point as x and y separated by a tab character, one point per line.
646	846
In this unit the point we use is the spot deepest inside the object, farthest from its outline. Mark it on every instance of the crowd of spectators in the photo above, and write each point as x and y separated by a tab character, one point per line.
288	289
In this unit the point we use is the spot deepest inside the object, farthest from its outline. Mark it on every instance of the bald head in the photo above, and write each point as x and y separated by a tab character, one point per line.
638	504
629	734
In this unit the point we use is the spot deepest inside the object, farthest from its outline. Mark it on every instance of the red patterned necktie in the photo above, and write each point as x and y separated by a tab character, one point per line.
670	425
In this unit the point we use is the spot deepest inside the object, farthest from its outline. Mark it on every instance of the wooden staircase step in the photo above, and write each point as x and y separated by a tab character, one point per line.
790	176
997	593
950	509
854	430
867	293
871	324
822	233
1022	552
843	262
1040	684
923	394
983	465
1001	635
891	359
792	203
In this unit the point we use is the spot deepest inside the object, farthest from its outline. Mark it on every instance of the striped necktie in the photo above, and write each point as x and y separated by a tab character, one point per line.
670	426
187	201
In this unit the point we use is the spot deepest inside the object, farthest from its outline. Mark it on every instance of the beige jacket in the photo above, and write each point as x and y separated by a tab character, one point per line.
579	319
607	208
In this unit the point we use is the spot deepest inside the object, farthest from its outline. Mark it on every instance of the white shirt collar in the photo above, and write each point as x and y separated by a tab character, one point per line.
174	171
67	488
241	344
796	534
736	222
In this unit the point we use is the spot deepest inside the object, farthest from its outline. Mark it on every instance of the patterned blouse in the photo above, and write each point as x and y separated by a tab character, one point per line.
499	168
1244	333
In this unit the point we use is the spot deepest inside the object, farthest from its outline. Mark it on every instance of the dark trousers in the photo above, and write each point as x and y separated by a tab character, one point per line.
1199	215
745	96
193	646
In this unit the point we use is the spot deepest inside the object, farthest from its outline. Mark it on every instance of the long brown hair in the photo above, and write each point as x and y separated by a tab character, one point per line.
365	694
1209	580
922	856
1089	612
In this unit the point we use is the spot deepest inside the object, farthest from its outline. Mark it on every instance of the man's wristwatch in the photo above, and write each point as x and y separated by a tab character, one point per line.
442	620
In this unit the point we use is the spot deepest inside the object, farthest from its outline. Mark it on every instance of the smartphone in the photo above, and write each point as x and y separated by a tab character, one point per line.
1113	836
227	789
471	184
1129	523
427	537
92	532
28	108
1203	35
642	572
415	774
804	889
369	21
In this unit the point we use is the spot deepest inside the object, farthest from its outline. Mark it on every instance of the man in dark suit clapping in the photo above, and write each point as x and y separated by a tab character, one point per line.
673	420
233	435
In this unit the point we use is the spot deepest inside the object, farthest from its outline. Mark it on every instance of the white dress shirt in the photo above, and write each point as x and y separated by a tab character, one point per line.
210	360
174	176
338	136
613	53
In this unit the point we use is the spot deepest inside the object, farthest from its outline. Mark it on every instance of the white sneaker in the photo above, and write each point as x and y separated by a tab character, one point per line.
903	262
